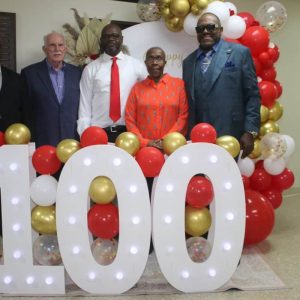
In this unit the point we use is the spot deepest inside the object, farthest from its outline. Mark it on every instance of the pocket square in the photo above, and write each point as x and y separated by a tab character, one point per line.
229	64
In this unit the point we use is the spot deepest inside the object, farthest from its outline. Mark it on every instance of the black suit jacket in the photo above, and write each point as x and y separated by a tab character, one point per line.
11	110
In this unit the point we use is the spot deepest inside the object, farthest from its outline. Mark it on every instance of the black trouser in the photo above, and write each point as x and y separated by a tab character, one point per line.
114	131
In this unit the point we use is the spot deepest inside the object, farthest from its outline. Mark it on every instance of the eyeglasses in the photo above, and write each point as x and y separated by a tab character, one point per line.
208	27
152	59
114	36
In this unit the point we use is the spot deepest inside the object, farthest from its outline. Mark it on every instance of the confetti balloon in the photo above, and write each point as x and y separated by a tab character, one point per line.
198	248
148	10
46	250
104	251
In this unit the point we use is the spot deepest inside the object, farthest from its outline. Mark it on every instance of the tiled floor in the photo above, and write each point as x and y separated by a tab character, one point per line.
281	251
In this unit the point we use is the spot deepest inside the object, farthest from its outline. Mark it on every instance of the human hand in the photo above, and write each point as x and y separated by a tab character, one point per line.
246	144
155	143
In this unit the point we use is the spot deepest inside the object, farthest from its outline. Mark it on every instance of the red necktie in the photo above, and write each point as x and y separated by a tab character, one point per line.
115	106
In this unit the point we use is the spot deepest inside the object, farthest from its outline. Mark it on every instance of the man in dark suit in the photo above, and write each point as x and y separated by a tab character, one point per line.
10	98
52	94
222	86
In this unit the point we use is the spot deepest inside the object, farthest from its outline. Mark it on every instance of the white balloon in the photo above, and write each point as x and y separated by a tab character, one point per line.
219	9
246	166
189	24
43	190
234	28
274	166
231	7
290	145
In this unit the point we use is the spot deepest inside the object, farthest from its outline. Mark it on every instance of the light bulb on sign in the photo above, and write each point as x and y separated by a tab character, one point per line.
49	280
117	162
185	159
227	246
213	159
7	279
170	187
13	167
73	189
119	275
87	162
230	216
30	280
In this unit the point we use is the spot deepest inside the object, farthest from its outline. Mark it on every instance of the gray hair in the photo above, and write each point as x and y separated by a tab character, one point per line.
45	38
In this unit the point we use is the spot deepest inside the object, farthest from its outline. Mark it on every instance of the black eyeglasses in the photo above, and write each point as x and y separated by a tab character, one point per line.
107	36
152	59
208	27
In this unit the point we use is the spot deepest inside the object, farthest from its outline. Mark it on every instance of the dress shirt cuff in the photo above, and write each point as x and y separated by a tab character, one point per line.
82	124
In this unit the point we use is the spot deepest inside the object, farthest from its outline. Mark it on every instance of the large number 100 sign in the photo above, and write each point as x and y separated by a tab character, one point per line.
164	219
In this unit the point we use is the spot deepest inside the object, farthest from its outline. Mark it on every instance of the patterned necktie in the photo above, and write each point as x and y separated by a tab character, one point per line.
206	60
115	106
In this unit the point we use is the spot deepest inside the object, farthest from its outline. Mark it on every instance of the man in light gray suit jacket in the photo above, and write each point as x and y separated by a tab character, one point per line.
221	85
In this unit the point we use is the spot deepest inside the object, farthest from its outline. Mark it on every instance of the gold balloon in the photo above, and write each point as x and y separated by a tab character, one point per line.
43	219
129	142
174	24
268	127
164	2
197	221
165	12
180	8
102	190
195	10
264	114
256	151
66	148
276	111
201	4
229	143
172	142
17	134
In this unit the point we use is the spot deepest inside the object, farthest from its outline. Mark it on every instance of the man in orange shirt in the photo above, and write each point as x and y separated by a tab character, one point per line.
157	105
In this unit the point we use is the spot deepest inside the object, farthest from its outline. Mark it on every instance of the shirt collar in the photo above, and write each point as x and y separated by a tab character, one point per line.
50	68
215	48
107	57
165	78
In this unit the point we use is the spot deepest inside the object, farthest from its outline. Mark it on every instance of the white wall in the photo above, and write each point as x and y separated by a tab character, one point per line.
37	17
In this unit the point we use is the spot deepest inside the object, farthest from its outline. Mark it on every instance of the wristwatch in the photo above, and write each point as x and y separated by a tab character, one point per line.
253	133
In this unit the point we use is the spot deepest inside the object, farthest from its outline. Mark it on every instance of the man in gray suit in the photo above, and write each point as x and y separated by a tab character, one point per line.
221	85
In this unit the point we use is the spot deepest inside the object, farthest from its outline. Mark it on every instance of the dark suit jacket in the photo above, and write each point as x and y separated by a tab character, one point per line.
10	99
230	100
49	121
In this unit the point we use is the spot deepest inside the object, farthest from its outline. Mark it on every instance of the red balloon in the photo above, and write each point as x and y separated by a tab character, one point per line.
284	180
258	66
199	192
246	182
204	132
265	60
232	41
259	164
268	93
2	140
93	135
103	220
274	53
278	88
151	160
274	196
248	18
260	180
269	75
45	161
260	218
256	38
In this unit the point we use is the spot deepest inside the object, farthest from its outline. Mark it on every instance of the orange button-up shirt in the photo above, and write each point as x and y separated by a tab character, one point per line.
156	109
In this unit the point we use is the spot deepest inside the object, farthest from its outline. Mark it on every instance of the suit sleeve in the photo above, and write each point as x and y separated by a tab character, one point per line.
251	94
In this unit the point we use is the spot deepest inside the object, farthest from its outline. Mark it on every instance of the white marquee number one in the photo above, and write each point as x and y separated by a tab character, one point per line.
18	275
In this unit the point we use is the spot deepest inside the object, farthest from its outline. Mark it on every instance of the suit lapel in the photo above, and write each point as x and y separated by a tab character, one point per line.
46	80
218	63
192	75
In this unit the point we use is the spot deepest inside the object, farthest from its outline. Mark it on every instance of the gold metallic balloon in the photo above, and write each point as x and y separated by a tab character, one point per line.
129	142
180	8
43	219
174	24
195	10
264	114
102	190
201	4
165	12
66	148
164	2
197	221
229	143
276	111
256	151
268	127
17	134
172	142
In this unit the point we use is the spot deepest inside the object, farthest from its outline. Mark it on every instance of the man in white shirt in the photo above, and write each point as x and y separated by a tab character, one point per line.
95	84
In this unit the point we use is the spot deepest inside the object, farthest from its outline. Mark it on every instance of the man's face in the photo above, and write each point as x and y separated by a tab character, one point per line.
55	49
209	31
155	63
111	40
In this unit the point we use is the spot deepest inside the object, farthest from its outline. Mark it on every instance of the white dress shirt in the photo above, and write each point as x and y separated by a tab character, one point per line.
95	89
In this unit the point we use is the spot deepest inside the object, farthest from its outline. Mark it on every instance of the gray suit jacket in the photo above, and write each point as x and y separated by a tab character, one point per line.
230	99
